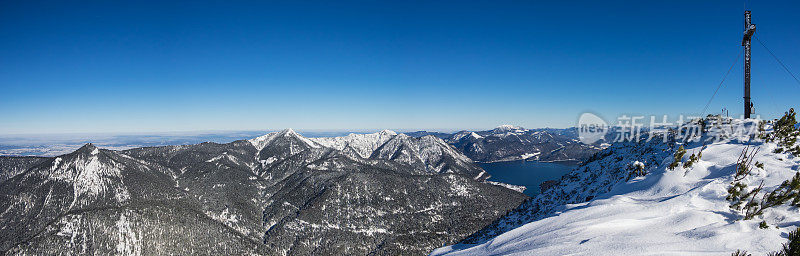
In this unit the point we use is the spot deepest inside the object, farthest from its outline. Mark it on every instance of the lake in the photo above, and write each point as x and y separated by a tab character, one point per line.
527	173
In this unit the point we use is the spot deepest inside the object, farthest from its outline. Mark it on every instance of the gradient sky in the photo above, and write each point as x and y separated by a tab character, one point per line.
195	65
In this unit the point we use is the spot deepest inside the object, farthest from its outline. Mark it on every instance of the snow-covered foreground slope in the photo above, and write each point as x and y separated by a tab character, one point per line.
666	212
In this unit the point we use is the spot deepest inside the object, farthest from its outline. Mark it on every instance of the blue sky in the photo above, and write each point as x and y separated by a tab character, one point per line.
155	67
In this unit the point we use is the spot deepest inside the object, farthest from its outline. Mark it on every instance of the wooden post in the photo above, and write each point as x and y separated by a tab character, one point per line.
749	30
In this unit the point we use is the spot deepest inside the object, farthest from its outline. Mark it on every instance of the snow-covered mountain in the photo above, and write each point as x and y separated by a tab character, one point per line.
427	152
508	143
278	194
653	198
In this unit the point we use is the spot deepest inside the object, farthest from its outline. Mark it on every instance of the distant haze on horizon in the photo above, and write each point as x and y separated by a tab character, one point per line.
304	132
151	67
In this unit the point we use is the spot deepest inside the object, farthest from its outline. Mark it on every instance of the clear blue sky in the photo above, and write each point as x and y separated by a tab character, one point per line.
153	66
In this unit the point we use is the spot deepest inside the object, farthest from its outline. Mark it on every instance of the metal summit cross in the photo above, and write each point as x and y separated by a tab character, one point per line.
749	30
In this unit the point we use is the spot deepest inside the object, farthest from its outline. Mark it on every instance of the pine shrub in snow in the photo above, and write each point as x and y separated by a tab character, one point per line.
744	163
785	134
742	198
787	192
637	169
740	253
678	157
693	159
751	205
791	248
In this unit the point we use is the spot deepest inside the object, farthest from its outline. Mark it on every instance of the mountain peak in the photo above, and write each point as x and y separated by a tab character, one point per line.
88	148
507	127
388	132
289	132
264	140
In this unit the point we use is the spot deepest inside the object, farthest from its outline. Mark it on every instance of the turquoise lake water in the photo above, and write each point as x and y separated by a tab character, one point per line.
527	173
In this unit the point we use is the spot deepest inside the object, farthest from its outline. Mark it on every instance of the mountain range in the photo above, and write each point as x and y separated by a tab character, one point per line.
510	143
278	194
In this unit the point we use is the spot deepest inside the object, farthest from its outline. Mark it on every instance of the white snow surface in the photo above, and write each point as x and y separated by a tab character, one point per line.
508	127
529	155
666	212
363	144
475	135
517	188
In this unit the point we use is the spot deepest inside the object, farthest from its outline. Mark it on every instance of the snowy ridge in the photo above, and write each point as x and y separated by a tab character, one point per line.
512	143
262	141
428	153
600	209
517	188
507	127
363	144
